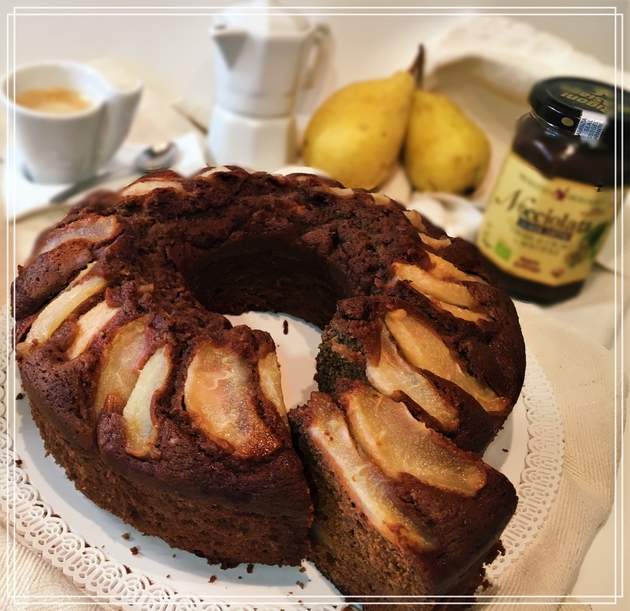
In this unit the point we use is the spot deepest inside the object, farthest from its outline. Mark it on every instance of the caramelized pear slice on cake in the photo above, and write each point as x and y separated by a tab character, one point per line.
121	366
442	286
443	290
59	309
93	228
138	413
445	270
143	186
219	395
88	327
425	349
462	313
434	242
271	382
398	443
363	483
393	373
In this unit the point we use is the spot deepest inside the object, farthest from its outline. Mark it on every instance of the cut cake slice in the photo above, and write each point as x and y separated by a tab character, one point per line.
403	518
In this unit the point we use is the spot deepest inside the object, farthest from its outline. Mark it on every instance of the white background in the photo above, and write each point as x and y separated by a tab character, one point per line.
175	52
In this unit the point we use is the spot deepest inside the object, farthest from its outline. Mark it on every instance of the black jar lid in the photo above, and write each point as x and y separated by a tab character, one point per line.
581	106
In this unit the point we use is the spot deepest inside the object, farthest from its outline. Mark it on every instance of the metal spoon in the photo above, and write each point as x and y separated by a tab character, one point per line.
158	156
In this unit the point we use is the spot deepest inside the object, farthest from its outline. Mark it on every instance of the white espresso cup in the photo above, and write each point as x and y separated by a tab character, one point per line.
68	120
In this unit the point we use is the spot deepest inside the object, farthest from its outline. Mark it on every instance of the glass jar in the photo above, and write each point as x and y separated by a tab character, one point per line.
557	194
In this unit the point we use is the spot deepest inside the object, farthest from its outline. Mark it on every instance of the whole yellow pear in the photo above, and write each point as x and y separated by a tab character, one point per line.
445	151
356	135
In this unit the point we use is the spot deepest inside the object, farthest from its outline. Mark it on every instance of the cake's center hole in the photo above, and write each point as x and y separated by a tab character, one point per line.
269	275
274	286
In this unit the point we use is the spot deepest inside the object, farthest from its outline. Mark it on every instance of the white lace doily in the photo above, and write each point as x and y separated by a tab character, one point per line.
122	586
540	477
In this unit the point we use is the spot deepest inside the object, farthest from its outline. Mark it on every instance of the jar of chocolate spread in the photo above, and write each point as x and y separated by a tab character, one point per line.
560	189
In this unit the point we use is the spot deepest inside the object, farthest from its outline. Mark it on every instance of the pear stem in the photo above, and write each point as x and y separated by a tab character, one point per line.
417	68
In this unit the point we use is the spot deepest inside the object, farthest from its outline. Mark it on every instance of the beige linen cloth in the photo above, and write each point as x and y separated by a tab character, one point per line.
583	377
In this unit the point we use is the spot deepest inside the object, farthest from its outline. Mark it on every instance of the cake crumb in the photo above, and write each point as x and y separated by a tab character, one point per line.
19	396
174	555
250	568
285	327
240	577
299	583
290	593
125	536
505	450
134	550
168	576
127	568
18	462
302	569
212	579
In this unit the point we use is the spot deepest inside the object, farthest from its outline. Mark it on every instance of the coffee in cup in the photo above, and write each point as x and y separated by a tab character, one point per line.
54	100
66	118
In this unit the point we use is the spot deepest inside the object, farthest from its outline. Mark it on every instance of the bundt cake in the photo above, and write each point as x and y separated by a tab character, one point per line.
166	415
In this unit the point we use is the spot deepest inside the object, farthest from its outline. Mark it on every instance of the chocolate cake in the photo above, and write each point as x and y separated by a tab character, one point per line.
166	415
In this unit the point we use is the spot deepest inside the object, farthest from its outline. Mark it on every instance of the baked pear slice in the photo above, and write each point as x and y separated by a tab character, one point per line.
391	373
271	382
365	485
219	396
443	285
138	413
396	442
121	366
59	309
424	348
94	229
88	327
